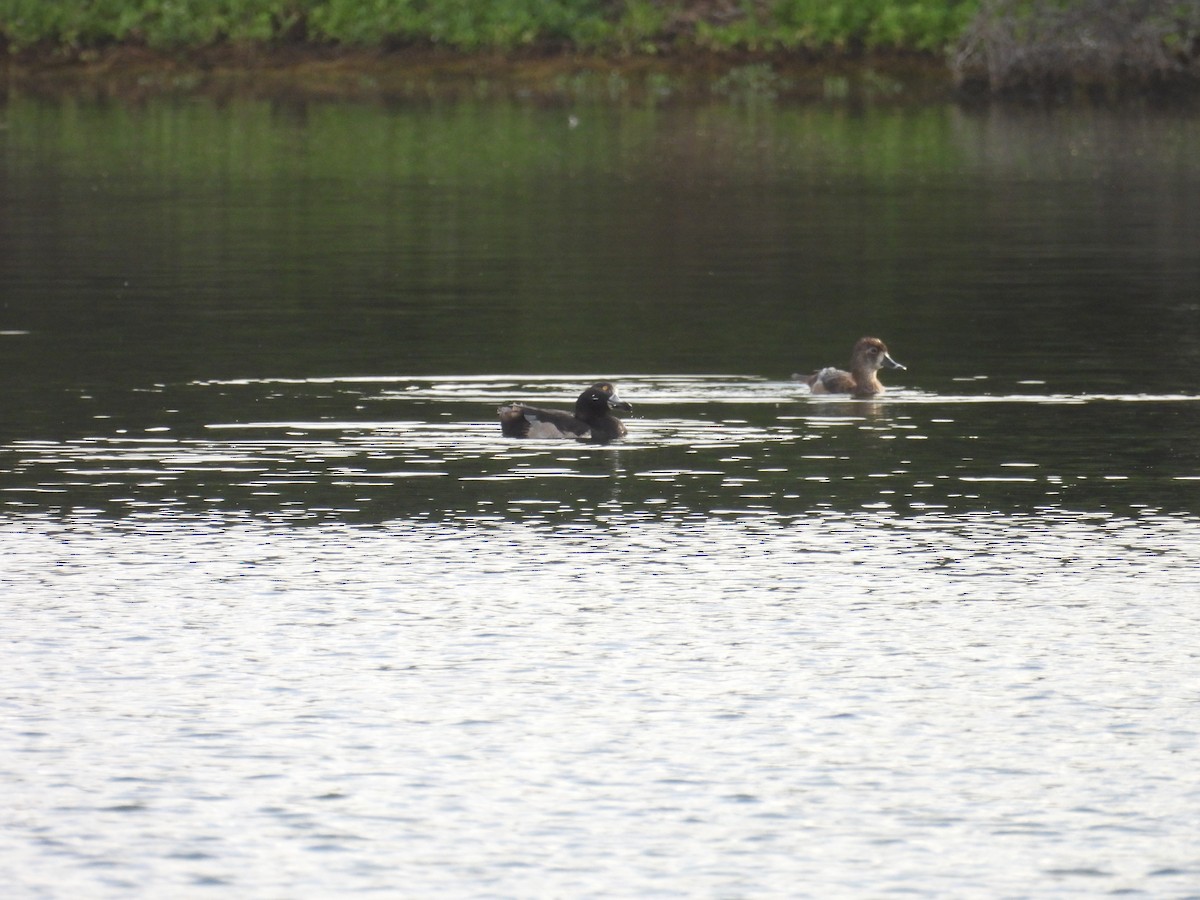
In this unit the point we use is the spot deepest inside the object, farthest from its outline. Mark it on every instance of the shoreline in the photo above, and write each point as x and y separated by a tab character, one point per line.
319	72
322	72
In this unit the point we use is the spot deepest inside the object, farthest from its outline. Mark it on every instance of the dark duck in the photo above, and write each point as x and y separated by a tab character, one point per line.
592	420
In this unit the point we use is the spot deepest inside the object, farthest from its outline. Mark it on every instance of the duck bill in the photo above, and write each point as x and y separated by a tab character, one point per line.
889	363
615	402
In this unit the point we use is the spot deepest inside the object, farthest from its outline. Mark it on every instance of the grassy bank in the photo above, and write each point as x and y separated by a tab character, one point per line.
590	26
1040	47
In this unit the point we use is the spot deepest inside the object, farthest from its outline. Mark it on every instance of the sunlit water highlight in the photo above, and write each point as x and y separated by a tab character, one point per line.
770	645
711	441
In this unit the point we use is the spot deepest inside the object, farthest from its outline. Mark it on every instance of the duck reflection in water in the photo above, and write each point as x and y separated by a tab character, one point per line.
862	381
592	420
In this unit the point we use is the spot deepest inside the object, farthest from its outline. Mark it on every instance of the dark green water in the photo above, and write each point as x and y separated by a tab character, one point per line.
177	242
286	616
150	248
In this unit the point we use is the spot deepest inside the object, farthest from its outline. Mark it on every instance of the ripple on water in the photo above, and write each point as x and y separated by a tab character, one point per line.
604	691
721	443
368	596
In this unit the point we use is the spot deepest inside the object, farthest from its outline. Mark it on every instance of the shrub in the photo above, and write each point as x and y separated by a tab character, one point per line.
1043	44
628	26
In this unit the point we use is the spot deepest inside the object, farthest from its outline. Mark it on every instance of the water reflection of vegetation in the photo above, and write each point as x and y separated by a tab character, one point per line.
250	141
334	238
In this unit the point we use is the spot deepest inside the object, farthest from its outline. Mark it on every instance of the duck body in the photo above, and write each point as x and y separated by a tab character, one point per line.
592	420
866	359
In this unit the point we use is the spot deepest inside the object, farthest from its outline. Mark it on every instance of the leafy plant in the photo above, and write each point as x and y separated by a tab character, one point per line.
624	26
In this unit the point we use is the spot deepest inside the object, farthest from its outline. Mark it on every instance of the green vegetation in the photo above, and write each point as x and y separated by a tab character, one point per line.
1031	46
821	24
606	26
1039	46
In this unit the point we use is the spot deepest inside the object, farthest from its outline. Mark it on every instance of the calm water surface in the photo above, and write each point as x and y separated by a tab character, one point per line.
287	617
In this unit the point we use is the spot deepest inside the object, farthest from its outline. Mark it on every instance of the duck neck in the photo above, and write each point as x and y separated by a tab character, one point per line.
867	383
587	413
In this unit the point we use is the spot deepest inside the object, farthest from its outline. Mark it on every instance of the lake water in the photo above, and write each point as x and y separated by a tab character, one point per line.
286	616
